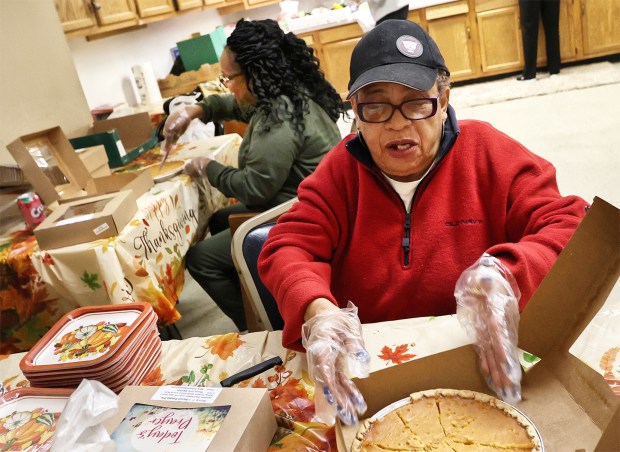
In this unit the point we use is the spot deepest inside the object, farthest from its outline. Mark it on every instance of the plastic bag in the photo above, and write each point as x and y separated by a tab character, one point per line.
487	298
79	427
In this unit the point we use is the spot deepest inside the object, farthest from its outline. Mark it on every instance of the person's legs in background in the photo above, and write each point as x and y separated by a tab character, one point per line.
210	264
530	14
550	13
398	14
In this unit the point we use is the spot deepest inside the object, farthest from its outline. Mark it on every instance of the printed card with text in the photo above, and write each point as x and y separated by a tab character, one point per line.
148	428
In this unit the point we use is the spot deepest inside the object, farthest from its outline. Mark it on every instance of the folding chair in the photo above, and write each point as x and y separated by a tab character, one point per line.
261	310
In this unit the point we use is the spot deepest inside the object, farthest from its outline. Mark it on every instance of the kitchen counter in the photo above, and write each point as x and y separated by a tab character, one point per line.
345	16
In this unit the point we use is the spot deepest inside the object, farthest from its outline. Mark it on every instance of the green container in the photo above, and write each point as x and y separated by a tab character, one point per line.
111	141
205	49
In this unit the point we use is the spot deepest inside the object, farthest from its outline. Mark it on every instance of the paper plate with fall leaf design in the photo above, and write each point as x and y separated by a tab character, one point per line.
85	336
28	417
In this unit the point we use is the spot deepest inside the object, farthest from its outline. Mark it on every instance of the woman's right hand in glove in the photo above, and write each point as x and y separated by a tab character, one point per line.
177	123
335	352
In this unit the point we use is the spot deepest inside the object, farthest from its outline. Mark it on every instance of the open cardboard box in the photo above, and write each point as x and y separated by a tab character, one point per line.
87	219
249	425
54	143
124	138
572	405
74	168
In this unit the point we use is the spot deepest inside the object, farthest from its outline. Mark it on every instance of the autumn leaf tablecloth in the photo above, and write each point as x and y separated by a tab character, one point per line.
143	263
205	361
201	361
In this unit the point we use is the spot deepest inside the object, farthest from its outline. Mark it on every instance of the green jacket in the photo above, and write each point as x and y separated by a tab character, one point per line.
271	164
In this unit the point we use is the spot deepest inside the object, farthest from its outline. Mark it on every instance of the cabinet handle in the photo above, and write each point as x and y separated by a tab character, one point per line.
468	33
96	4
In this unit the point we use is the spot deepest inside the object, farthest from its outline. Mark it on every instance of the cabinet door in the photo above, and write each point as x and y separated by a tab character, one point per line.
188	4
114	11
500	26
147	8
600	26
75	14
255	3
449	26
335	63
568	44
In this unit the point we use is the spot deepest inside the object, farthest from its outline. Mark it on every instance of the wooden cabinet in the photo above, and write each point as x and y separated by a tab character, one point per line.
148	8
114	11
499	23
336	48
569	45
183	5
450	26
600	26
249	4
75	14
89	15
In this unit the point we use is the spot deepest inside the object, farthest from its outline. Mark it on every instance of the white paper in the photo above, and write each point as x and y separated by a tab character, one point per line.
193	394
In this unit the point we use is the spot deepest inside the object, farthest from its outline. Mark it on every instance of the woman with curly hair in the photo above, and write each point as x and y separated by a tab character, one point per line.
278	89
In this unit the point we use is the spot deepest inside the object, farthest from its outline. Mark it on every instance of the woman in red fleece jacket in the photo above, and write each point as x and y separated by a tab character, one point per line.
393	217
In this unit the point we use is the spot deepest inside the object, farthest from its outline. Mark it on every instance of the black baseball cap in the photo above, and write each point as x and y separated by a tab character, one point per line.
397	51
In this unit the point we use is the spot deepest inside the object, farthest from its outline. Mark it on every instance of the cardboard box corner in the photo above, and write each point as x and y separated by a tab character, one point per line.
572	405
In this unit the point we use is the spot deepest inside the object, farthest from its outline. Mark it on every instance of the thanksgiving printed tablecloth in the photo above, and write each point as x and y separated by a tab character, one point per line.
206	361
143	263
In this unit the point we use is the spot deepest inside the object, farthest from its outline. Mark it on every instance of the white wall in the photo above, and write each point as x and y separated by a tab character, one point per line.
39	87
104	65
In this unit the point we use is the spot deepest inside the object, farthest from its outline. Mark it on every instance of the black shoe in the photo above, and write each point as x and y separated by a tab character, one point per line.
523	77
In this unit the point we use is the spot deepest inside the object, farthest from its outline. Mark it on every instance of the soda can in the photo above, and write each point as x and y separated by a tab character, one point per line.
32	209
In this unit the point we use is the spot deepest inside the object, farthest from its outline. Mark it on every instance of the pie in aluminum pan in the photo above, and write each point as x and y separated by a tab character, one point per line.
448	420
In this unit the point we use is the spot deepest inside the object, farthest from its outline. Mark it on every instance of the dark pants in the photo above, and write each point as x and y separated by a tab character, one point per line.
398	14
210	264
531	12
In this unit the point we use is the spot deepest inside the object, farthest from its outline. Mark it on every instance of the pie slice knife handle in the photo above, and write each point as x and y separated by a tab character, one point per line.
251	372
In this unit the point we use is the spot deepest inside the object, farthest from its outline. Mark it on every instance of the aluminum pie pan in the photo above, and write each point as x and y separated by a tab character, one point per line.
407	400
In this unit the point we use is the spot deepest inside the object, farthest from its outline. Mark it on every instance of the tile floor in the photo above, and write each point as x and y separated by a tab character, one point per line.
578	131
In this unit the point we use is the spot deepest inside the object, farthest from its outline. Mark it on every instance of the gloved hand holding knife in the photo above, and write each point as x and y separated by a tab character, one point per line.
176	125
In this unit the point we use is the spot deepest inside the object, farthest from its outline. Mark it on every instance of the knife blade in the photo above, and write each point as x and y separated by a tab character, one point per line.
251	372
166	154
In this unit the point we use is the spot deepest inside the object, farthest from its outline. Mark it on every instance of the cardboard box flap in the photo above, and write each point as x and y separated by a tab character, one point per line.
592	393
576	286
57	144
427	373
133	129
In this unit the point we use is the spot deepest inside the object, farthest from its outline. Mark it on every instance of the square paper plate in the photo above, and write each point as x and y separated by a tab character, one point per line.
28	417
85	337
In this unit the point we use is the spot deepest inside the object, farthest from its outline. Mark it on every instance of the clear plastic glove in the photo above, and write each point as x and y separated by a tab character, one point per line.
175	126
487	299
196	167
335	352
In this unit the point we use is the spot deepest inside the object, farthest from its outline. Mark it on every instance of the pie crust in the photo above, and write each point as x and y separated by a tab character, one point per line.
448	420
168	170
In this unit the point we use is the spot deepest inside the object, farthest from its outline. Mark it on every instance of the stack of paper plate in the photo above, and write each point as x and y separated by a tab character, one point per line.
114	344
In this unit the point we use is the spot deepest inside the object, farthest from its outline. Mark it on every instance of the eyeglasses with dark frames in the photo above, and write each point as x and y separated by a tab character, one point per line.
224	79
416	109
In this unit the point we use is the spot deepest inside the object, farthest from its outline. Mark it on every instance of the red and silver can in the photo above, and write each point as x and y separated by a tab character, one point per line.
32	209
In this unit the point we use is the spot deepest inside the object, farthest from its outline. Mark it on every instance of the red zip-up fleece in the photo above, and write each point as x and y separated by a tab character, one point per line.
350	238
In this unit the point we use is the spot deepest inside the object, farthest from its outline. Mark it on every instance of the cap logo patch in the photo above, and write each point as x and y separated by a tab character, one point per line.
409	46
